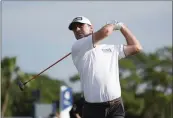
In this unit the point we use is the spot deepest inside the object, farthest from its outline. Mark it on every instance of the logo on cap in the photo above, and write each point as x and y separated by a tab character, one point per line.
77	18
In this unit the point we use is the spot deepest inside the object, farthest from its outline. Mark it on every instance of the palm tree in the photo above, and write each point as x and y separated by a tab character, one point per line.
9	70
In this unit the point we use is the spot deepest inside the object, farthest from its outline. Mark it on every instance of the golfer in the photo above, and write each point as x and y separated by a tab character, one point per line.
98	68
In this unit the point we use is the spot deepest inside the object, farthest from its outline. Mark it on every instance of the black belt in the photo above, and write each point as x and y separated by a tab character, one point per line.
108	103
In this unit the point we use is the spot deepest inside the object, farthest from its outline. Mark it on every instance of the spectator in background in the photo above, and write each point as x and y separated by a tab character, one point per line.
76	111
53	115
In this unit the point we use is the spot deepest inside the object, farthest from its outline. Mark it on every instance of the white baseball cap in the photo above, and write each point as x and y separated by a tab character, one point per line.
79	19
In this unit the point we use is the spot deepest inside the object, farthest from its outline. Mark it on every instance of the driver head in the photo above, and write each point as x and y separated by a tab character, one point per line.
20	84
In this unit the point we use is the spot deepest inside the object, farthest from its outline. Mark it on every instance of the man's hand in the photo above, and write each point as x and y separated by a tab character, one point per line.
77	115
117	25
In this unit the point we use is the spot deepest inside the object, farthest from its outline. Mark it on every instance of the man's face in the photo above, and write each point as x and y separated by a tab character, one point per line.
81	30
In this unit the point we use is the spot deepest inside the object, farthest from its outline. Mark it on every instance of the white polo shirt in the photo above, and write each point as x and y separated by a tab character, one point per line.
98	69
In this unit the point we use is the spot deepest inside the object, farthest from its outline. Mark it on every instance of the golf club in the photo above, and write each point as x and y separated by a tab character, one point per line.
22	84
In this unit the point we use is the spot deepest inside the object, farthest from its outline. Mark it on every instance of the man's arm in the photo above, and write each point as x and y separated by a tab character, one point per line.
133	46
104	32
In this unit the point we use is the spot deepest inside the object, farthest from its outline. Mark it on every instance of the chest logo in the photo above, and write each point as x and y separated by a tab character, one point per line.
107	50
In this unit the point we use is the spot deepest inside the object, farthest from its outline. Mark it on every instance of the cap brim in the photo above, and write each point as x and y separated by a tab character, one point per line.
71	26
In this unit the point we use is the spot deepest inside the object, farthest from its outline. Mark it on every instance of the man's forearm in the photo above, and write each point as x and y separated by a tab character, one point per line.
103	33
130	38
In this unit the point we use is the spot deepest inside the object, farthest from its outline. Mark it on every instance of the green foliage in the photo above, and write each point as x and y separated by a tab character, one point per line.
155	71
74	78
21	103
9	71
49	88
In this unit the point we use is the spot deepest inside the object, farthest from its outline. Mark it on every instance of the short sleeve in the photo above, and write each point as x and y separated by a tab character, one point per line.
120	50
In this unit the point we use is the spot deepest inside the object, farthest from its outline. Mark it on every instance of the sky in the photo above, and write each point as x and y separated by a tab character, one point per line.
37	31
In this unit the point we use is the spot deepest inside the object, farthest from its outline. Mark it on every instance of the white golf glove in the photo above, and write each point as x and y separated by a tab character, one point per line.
117	24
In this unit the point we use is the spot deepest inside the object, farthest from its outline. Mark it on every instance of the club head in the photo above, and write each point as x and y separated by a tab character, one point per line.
21	85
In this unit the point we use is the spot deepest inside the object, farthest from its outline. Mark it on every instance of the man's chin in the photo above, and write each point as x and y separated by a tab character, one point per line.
80	37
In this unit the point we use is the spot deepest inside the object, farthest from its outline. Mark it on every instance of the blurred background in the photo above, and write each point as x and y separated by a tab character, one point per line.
35	34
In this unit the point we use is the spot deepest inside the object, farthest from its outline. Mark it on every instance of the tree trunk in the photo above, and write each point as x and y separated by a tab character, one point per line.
5	104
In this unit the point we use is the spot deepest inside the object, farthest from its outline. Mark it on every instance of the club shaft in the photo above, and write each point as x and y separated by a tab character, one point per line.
47	68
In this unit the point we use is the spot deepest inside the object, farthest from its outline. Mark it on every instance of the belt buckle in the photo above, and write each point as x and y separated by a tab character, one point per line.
111	102
114	102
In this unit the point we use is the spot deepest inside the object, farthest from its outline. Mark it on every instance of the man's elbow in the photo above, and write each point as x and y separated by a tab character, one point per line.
134	50
138	48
